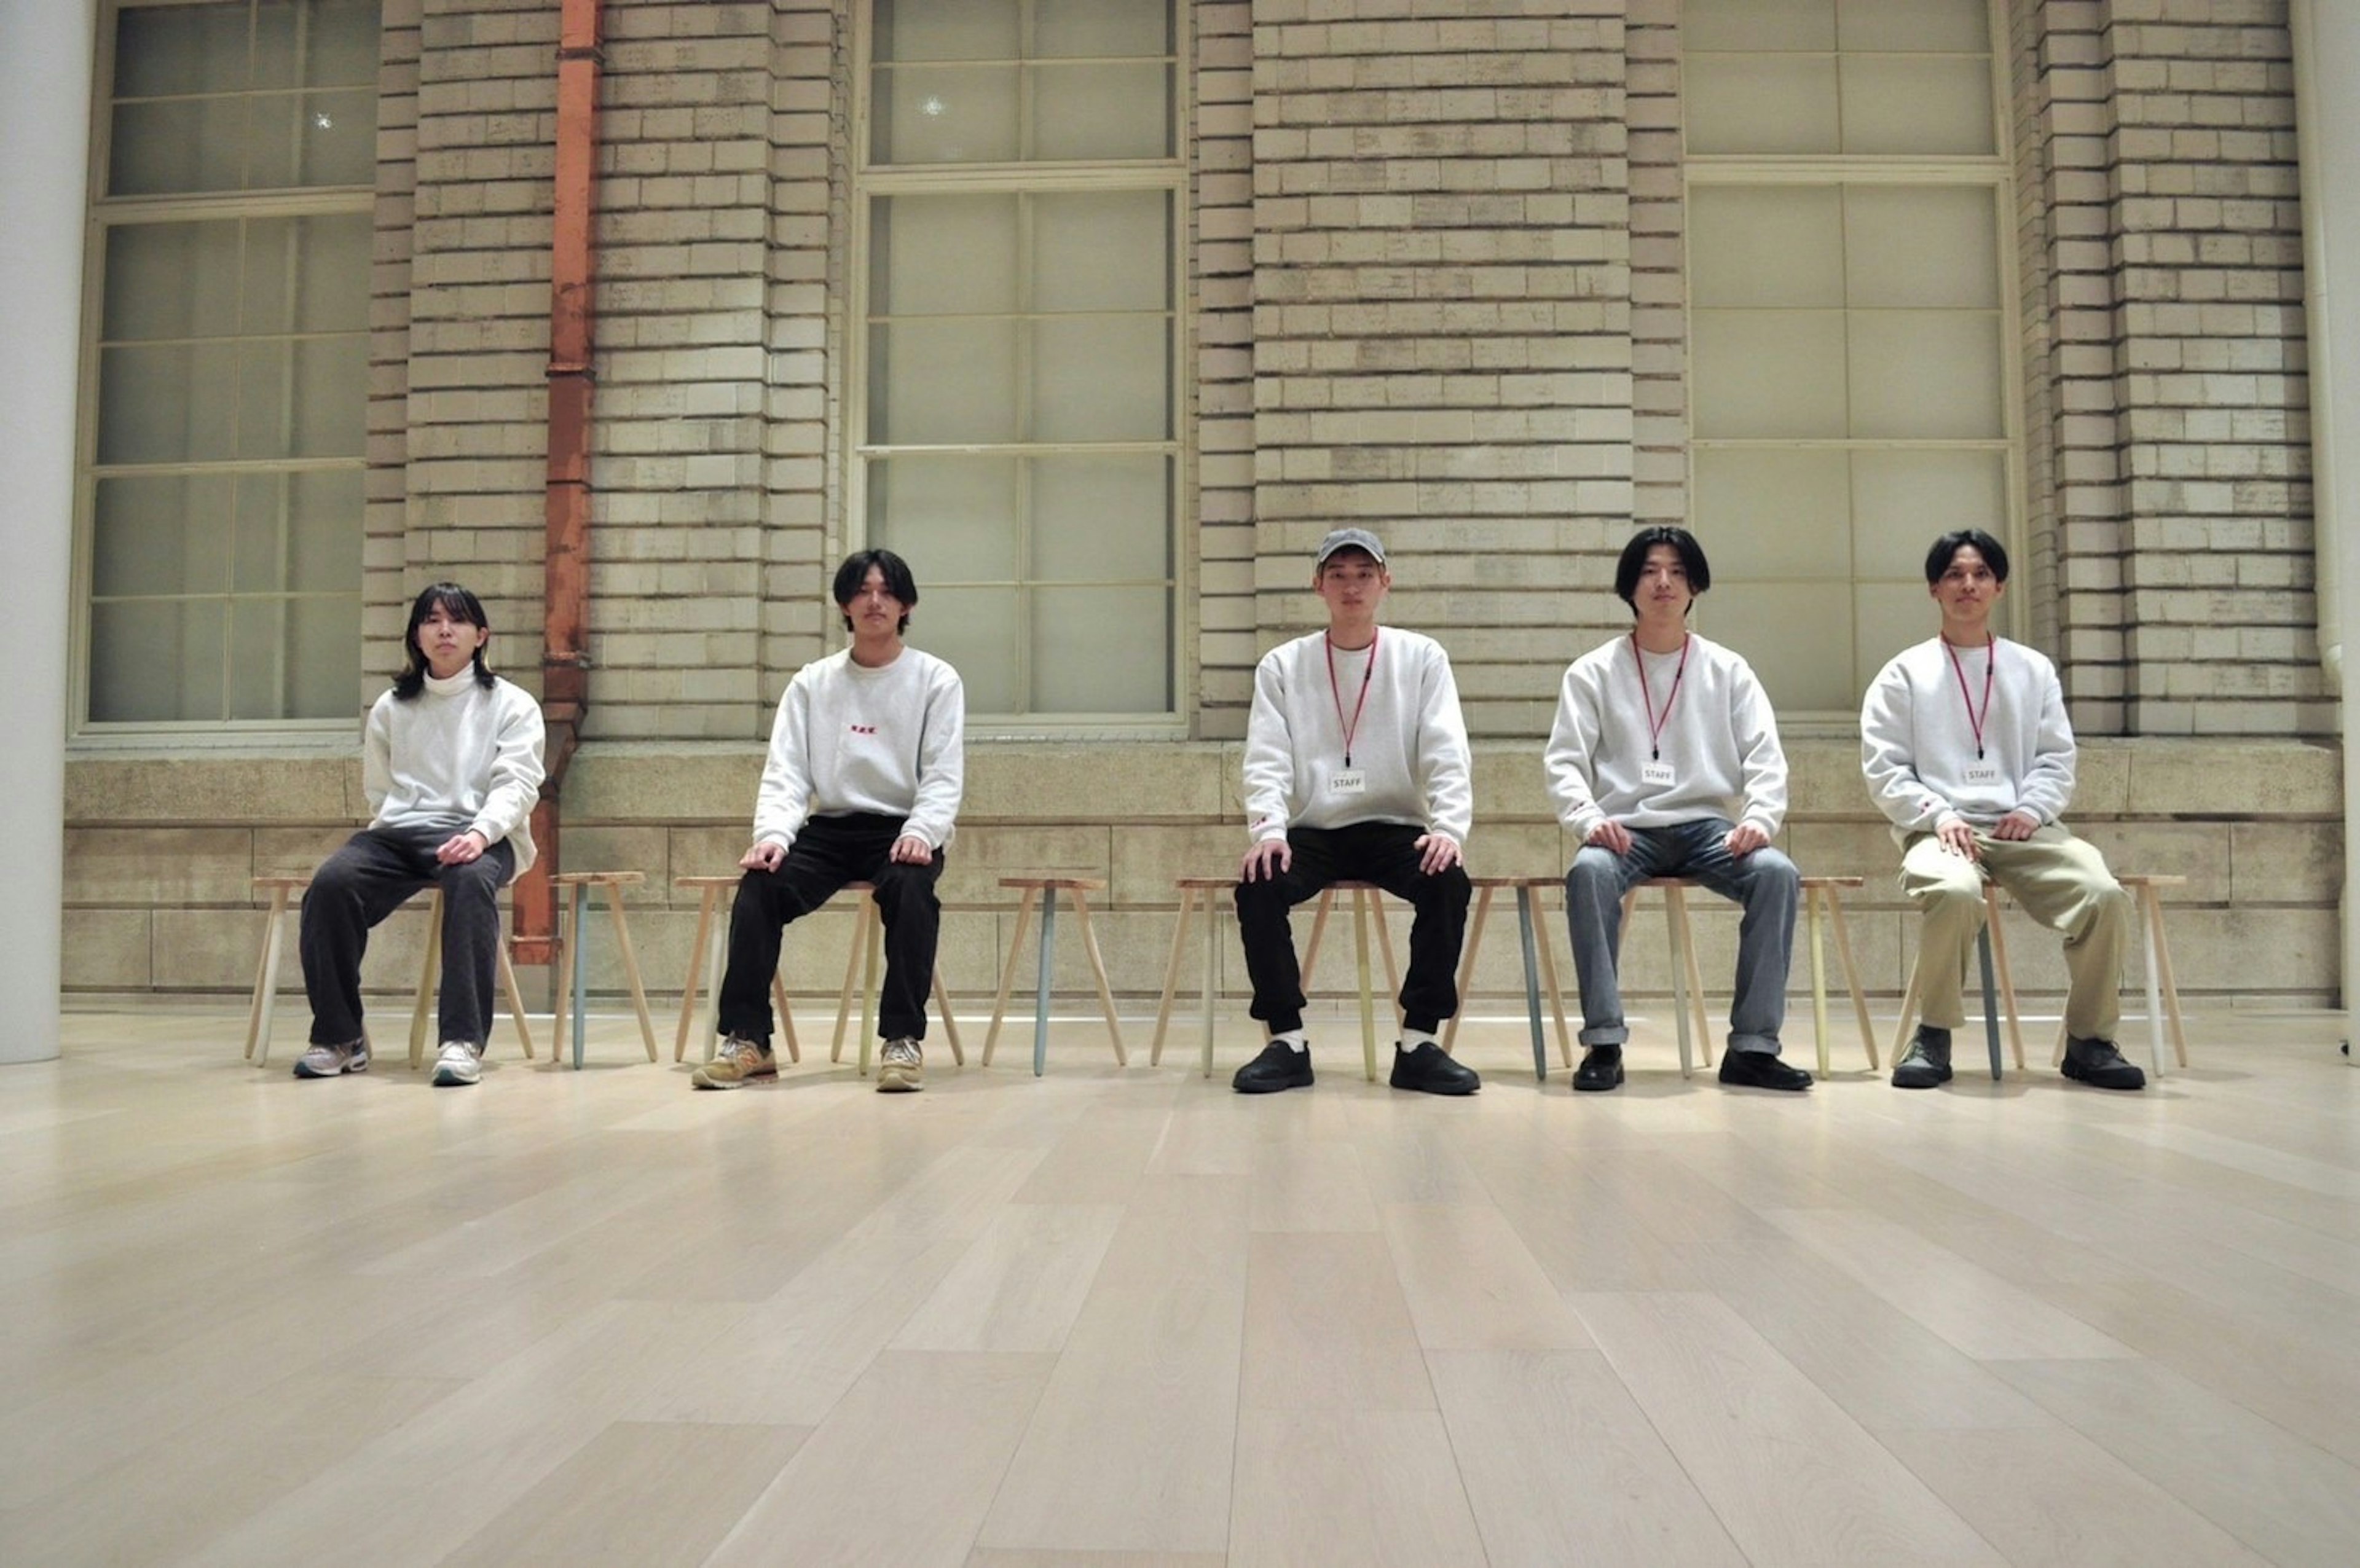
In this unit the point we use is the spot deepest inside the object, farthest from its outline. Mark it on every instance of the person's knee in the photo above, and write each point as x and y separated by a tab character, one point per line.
1449	888
1774	874
899	883
1595	869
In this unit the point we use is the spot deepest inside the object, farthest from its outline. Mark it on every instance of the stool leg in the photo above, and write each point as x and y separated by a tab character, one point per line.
1171	974
712	960
1991	998
2154	984
1818	975
1212	977
1368	1002
786	1019
1549	981
695	971
1098	971
1319	928
1532	981
1851	978
514	995
581	971
2159	954
1467	965
631	967
1998	957
851	978
426	976
872	927
1392	970
265	981
1901	1030
1705	1051
1008	970
1041	990
1674	927
950	1017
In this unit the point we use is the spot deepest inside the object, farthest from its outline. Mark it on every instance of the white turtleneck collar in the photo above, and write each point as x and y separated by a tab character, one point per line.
455	685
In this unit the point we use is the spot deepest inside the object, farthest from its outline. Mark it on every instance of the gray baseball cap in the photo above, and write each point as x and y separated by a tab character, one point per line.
1351	538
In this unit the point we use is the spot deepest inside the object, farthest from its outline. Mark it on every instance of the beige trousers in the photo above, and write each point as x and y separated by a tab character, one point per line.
2061	882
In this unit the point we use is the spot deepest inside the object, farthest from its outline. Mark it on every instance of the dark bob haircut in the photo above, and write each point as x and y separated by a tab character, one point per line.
895	571
1635	561
461	606
1938	559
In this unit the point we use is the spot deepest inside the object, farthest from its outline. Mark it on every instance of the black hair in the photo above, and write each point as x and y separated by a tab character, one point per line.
461	606
898	580
1635	561
1946	549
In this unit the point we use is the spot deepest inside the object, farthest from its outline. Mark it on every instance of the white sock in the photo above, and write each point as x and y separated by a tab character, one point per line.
1293	1040
1412	1038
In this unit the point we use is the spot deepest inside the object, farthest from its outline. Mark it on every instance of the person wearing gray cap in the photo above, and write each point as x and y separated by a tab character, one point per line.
1355	769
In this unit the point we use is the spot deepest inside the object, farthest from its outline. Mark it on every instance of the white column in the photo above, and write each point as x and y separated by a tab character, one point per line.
45	107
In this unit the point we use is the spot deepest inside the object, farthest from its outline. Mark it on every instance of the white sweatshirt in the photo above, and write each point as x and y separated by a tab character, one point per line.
849	738
457	756
1720	741
1917	743
1409	745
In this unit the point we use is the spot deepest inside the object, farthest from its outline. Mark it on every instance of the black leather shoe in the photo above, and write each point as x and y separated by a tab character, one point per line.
1761	1070
1429	1071
1601	1069
1280	1066
2097	1063
1928	1062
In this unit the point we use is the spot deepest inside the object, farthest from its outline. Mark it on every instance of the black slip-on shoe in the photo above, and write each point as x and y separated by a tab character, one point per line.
1280	1066
2097	1063
1600	1070
1761	1070
1927	1063
1429	1071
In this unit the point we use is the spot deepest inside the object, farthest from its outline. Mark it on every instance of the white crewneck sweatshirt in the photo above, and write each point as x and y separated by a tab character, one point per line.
457	756
1718	739
1409	744
848	738
1917	738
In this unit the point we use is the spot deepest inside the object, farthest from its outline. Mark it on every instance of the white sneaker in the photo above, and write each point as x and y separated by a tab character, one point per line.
459	1063
328	1061
899	1066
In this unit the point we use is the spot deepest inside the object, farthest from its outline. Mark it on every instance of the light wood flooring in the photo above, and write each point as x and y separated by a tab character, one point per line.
1130	1318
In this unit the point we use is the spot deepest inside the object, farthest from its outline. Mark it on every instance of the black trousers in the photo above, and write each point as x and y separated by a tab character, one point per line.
375	872
1384	854
828	853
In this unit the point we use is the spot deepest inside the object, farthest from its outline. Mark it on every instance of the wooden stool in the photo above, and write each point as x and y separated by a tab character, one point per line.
1190	888
868	923
1991	952
707	962
1045	890
266	977
612	882
2162	989
1368	902
1819	891
1688	981
1533	932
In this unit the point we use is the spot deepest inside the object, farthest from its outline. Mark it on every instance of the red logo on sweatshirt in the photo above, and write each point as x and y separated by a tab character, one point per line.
864	729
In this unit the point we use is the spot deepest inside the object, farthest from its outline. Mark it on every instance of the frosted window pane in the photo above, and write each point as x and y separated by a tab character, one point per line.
1102	28
1924	106
931	382
1758	25
1101	519
1902	500
1921	246
1798	636
1947	25
1768	372
342	44
1773	514
1888	617
170	50
172	280
1761	104
329	401
264	409
1101	651
945	115
155	660
1101	378
185	145
257	658
165	405
325	652
1926	374
952	518
975	630
945	29
1765	246
332	282
335	142
1101	111
274	61
160	534
259	559
942	255
1102	253
324	531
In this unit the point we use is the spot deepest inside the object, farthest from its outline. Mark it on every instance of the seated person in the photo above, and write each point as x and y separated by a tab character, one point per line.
450	763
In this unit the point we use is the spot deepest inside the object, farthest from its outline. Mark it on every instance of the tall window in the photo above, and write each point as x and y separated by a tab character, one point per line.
1017	438
222	441
1850	382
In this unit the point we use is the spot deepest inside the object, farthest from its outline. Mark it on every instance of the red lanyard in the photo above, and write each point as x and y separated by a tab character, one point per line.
1655	722
1367	673
1991	663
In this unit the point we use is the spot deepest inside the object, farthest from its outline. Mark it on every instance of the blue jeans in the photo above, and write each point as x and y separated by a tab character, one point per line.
1763	883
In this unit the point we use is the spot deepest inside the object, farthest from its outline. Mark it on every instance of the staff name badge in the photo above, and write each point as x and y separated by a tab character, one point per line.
1656	775
1983	776
1349	782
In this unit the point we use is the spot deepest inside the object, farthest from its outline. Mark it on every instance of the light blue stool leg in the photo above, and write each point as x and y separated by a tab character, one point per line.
1532	982
581	967
1990	999
1041	990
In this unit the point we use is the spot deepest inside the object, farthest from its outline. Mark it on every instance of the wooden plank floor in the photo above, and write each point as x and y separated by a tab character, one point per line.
1129	1319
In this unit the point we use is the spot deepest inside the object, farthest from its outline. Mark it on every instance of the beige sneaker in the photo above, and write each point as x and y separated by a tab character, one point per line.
738	1062
900	1067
